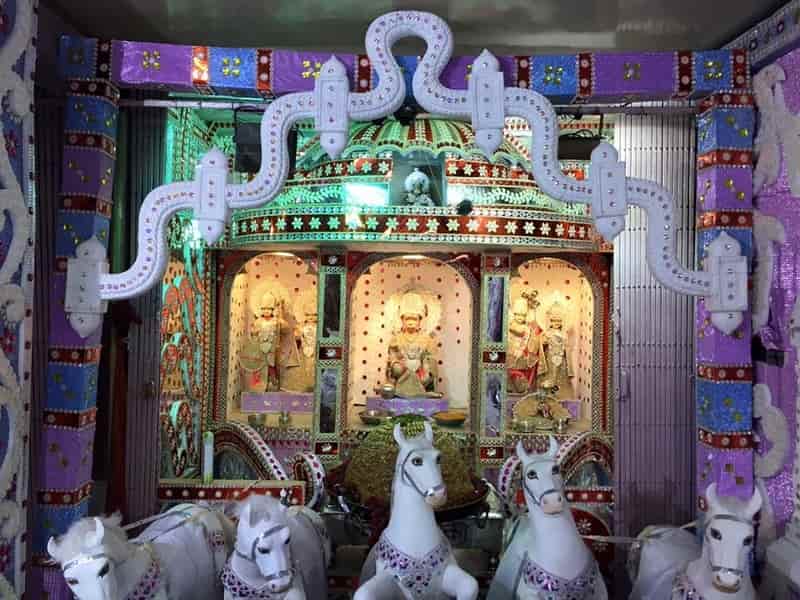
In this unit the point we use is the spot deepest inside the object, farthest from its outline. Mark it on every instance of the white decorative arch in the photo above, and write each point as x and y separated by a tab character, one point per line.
332	106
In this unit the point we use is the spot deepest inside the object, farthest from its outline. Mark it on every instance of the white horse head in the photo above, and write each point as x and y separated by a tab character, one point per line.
541	480
89	553
264	538
418	466
729	538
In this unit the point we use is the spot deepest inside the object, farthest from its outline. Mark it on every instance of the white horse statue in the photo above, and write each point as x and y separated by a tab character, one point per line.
178	557
281	553
547	559
413	560
672	565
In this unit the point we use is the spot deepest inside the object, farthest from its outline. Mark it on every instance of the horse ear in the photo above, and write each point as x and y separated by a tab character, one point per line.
52	548
96	538
711	495
552	450
521	452
428	432
399	436
754	504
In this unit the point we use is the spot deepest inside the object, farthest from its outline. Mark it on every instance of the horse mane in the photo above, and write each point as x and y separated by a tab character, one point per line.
729	505
265	508
72	543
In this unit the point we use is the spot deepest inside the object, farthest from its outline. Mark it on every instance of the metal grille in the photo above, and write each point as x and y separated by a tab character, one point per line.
655	445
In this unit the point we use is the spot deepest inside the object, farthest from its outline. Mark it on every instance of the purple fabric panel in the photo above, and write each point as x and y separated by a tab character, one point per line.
719	188
457	72
732	470
646	75
714	347
297	71
144	64
782	382
87	171
253	402
67	457
424	406
61	332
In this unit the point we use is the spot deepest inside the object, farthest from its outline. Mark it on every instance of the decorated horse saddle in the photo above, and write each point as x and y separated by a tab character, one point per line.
416	576
553	587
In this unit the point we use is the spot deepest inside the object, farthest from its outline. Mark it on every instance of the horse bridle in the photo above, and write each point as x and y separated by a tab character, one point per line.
529	492
272	576
81	559
717	568
405	476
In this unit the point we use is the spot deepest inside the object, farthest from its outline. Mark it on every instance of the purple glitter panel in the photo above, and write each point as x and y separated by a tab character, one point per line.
67	457
782	380
791	94
643	75
724	188
61	332
152	65
298	71
53	585
714	347
89	172
731	469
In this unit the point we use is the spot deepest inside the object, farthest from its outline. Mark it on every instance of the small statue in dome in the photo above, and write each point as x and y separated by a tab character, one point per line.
525	350
418	186
412	362
558	377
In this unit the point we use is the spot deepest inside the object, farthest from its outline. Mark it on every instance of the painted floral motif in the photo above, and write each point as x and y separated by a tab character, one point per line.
552	587
415	575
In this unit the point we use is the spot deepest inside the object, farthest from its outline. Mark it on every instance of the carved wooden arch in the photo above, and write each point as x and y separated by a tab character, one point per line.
486	102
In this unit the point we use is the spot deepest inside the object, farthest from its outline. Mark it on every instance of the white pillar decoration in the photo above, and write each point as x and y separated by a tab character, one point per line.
486	103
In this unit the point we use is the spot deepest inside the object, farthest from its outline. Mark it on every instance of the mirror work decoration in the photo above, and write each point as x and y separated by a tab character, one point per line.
344	93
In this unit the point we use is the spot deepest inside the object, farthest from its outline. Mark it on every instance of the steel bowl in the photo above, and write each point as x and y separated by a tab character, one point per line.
375	417
449	418
386	391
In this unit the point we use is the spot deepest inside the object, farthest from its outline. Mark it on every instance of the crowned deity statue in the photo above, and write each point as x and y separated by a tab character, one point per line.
417	187
412	362
269	347
300	374
558	377
526	358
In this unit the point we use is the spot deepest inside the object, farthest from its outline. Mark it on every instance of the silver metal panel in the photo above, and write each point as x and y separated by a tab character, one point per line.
654	454
146	163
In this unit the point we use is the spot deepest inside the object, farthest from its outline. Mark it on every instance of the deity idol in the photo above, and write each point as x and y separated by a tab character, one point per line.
417	187
412	364
558	377
525	350
266	350
300	374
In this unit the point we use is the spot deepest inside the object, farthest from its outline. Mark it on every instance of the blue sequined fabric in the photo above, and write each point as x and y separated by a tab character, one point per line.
415	575
552	587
